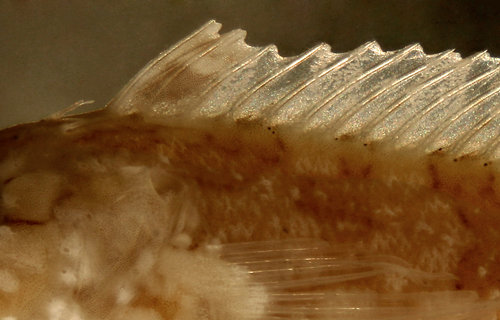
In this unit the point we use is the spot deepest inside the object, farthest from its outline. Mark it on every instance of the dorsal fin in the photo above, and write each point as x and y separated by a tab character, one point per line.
404	97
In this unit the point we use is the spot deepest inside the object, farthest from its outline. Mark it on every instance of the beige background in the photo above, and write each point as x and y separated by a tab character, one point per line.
53	53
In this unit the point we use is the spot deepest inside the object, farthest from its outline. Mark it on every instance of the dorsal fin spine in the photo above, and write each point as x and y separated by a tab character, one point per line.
283	70
403	98
451	118
443	75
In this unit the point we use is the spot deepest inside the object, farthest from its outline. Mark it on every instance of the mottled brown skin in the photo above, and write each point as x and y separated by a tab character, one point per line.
258	182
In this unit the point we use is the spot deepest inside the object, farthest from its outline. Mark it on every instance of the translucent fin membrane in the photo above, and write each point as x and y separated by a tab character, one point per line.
357	306
305	279
405	97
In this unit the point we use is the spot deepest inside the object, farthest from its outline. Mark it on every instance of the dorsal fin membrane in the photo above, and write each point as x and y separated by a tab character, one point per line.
404	97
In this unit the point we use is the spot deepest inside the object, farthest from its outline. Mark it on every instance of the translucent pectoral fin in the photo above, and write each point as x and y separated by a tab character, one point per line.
309	279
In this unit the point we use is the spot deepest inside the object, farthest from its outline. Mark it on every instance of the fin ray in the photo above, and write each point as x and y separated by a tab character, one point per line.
404	98
298	276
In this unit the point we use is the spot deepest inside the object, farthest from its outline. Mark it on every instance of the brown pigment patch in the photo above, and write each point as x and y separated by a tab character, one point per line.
366	171
433	172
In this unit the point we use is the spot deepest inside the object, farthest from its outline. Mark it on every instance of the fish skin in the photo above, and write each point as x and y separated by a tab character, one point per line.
245	171
441	86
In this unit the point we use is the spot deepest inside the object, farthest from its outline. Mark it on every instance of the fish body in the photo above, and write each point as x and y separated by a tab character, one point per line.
227	182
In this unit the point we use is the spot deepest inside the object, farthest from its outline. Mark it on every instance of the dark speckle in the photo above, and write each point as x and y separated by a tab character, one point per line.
485	164
15	137
285	230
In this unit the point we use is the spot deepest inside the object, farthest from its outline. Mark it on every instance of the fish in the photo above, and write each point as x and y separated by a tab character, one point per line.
225	181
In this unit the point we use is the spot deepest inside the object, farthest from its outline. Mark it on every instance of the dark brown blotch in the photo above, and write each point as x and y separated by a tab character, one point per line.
433	173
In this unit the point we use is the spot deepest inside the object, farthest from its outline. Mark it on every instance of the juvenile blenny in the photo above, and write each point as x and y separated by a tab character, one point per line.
227	182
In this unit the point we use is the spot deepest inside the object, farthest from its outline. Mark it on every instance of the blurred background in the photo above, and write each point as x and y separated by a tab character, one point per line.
56	52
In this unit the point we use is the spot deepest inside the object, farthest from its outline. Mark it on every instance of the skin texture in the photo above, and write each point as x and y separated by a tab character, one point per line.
113	214
264	187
